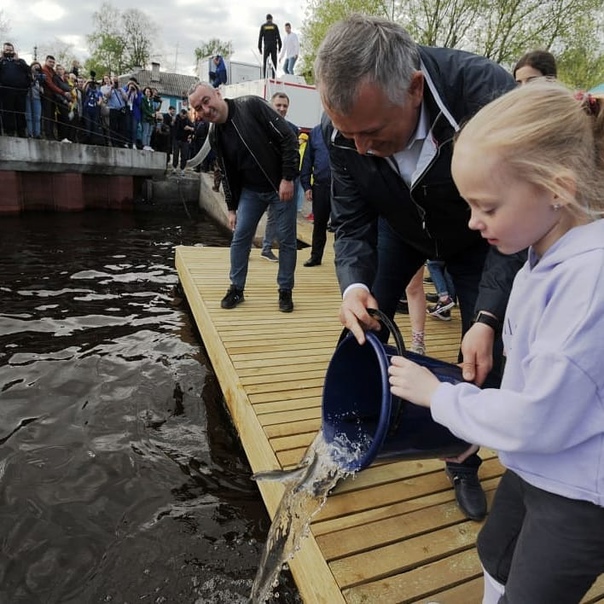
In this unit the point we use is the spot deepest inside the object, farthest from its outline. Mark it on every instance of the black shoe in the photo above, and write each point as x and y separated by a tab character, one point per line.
442	309
268	255
312	262
433	298
232	298
468	493
286	303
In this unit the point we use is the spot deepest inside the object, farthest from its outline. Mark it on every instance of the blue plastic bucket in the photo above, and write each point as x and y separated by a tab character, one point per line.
365	421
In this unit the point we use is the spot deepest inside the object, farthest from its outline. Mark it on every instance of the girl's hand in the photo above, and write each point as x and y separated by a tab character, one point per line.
411	381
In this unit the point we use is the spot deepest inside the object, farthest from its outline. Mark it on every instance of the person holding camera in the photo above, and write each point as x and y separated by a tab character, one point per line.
148	117
133	92
117	101
15	80
33	102
92	97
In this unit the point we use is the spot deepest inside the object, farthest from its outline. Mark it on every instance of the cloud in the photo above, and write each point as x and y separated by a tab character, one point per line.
47	11
183	25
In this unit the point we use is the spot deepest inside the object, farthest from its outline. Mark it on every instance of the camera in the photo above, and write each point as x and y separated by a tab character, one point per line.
9	55
93	75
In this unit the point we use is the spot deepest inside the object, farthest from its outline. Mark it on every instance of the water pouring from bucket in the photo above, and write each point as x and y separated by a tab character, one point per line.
358	407
362	421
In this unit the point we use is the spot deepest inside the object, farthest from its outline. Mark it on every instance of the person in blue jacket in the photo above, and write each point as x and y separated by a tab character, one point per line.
218	75
315	177
531	168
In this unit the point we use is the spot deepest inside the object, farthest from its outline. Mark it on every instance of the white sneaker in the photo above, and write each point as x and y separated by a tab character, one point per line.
65	140
147	148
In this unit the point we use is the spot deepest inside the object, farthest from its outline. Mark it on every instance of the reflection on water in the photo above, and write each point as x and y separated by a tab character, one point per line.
121	478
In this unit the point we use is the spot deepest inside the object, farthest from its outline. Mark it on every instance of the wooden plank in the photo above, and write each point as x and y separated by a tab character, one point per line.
391	533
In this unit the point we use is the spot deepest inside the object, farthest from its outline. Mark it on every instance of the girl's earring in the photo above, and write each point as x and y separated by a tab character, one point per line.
556	207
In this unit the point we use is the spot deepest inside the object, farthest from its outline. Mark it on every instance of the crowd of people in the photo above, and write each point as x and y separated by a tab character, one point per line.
46	100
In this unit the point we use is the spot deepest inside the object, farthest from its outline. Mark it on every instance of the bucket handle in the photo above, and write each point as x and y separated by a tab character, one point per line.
392	327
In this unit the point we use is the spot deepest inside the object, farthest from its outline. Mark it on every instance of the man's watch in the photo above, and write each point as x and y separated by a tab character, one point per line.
487	319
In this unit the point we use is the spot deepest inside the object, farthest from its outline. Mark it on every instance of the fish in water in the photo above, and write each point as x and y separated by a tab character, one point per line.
307	487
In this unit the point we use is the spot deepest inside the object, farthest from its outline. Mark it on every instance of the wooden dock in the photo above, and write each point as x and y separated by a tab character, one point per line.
390	534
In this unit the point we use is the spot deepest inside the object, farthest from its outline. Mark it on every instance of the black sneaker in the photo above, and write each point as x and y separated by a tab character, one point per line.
286	303
442	309
232	298
432	298
268	255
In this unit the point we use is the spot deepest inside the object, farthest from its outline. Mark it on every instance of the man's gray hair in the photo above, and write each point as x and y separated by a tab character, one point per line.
360	49
196	85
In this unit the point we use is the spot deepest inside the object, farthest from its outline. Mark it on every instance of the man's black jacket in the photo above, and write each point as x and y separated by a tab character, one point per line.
431	216
269	139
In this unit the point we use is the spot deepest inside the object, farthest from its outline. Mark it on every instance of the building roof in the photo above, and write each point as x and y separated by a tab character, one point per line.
167	84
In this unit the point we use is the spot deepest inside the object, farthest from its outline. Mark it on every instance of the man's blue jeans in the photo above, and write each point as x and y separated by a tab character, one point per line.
271	226
252	205
288	65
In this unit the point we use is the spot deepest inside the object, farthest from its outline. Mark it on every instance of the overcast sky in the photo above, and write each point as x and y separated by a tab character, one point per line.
183	25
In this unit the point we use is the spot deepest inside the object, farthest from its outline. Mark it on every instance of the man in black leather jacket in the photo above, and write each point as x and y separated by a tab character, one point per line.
392	111
258	155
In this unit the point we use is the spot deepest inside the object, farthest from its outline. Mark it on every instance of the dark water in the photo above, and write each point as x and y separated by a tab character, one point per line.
121	476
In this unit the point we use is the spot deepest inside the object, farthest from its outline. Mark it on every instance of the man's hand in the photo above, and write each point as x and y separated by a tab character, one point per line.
354	315
477	353
232	218
308	195
286	190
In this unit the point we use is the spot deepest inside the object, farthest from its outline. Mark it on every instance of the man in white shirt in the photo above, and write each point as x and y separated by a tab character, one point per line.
290	50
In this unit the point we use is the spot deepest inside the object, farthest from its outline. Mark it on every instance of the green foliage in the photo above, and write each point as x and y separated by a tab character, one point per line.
212	47
573	30
120	40
61	51
320	15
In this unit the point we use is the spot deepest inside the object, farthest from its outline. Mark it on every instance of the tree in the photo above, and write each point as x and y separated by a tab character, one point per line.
581	64
121	40
61	51
502	30
321	14
213	47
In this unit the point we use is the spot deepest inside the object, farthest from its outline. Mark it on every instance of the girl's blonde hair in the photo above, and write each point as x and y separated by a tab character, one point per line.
546	135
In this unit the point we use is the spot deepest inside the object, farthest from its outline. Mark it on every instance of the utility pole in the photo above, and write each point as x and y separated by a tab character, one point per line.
176	58
35	53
